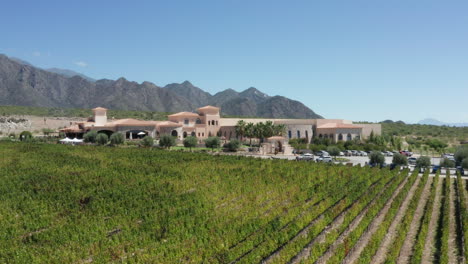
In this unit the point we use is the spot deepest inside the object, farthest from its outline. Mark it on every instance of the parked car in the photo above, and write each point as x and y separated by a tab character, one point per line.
324	158
412	161
341	154
354	152
348	153
363	153
306	156
383	165
460	170
406	153
435	168
321	152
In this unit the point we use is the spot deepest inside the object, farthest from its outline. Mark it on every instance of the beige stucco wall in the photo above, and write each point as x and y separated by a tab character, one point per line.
368	128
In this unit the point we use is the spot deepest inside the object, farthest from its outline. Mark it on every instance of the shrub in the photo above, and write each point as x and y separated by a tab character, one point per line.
334	151
167	141
25	136
102	139
399	159
212	142
464	163
232	145
117	139
90	137
190	142
446	163
147	141
461	154
423	162
376	157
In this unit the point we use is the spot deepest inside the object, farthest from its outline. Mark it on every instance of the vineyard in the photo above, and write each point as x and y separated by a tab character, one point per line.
65	204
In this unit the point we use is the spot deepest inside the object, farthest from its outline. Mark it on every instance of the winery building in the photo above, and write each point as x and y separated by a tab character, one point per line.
207	122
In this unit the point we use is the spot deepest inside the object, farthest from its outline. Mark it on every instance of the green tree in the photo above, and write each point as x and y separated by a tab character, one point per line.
333	150
446	163
190	142
25	136
400	160
376	157
249	132
279	130
258	131
423	162
90	137
461	153
148	141
212	142
240	129
102	139
117	139
233	145
167	141
464	163
47	131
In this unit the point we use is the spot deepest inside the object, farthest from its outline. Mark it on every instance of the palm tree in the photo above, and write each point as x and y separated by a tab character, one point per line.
259	131
279	130
240	129
268	130
249	132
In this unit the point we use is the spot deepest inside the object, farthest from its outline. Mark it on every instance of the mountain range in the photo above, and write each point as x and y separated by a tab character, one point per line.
434	122
24	84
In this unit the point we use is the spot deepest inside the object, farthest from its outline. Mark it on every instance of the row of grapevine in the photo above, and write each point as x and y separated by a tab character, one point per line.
443	236
421	237
327	235
352	239
463	202
323	200
312	223
371	248
404	225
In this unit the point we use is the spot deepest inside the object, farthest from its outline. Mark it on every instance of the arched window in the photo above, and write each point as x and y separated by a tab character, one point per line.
331	136
320	136
340	136
216	122
174	133
186	121
307	135
209	122
349	137
298	134
198	121
230	134
185	134
326	136
225	134
213	122
289	134
193	134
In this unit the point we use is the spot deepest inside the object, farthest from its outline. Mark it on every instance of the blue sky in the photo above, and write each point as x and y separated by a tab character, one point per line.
359	60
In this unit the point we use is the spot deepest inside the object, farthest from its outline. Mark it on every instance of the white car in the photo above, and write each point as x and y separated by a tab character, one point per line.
324	159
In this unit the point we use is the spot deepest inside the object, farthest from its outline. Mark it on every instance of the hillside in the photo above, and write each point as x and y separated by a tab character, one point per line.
25	85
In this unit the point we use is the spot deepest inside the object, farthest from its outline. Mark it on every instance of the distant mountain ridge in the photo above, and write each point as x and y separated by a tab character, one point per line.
434	122
26	85
70	73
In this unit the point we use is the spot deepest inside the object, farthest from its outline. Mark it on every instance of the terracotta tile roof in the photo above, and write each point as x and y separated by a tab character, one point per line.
209	107
130	122
168	124
338	125
99	108
184	114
